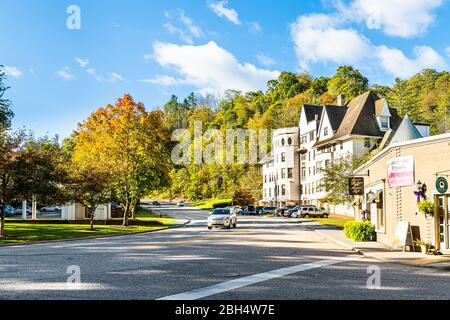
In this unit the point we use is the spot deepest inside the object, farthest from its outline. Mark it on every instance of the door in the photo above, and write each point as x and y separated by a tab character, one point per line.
443	220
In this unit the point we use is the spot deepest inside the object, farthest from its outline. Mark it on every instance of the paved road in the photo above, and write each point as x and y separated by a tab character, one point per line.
265	258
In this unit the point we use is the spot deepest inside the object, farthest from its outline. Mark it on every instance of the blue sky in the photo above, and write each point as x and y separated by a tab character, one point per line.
153	49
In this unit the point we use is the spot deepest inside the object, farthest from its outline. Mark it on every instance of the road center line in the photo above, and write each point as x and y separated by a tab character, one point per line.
254	279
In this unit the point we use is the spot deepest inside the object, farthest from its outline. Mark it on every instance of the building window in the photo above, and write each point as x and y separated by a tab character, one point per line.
283	190
265	179
311	136
283	142
303	172
290	173
283	173
384	123
290	141
283	157
342	145
303	157
303	139
325	131
367	142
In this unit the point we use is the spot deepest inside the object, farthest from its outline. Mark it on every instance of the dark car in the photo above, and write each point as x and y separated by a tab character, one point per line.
282	210
250	210
156	203
260	210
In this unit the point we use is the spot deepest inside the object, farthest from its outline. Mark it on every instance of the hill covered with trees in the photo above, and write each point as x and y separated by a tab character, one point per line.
425	97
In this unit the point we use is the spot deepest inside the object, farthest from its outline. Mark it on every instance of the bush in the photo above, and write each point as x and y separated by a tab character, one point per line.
360	231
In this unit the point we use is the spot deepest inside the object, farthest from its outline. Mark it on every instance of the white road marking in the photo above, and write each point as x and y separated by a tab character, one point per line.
254	279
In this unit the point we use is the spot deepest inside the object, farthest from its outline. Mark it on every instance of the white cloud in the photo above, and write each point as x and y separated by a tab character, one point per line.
254	27
265	60
82	62
65	74
229	13
318	38
188	31
115	77
399	18
396	63
163	81
210	68
12	72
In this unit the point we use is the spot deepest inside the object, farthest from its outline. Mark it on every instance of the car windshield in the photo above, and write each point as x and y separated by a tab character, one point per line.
221	212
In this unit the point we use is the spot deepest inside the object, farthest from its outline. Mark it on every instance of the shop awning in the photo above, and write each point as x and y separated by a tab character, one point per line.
374	196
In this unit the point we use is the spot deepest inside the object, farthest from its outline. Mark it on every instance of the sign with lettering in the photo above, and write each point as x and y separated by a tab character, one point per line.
442	185
400	172
403	235
356	186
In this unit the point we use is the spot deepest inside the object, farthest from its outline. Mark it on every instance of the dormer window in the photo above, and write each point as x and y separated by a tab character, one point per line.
325	131
384	123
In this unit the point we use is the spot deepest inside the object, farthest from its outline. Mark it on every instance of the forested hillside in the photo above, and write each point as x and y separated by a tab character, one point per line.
425	97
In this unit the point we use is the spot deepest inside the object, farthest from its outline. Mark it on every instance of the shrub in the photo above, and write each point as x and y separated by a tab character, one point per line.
222	204
360	231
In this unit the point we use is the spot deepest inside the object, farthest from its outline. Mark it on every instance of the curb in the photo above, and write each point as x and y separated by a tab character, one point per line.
5	245
368	255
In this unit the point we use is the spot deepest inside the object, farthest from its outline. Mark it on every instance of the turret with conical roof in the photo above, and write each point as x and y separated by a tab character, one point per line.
406	131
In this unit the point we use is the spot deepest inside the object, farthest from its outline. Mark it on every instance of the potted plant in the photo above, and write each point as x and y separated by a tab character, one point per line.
424	246
426	207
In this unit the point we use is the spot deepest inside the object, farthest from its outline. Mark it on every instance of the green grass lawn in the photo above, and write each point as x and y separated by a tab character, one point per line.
148	215
337	222
24	232
208	204
29	232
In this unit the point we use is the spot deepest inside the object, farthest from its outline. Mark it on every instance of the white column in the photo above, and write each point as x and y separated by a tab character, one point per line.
34	209
24	209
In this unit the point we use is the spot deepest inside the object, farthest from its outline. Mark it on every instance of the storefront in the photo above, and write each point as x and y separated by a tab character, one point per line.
397	179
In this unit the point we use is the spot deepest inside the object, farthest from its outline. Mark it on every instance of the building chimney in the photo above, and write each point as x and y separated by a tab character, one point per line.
341	100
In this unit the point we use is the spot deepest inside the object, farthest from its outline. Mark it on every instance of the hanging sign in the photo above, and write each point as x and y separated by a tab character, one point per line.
356	186
442	185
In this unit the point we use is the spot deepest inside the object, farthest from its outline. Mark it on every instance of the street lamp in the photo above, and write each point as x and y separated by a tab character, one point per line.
421	191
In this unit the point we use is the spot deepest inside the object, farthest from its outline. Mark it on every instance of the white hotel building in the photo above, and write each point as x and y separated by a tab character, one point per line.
327	133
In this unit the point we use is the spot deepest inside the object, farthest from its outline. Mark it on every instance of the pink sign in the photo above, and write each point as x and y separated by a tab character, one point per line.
400	172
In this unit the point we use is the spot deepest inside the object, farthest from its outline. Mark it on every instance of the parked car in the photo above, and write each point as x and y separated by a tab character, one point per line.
311	211
282	210
156	203
289	212
260	210
51	209
250	210
18	210
222	218
270	210
9	210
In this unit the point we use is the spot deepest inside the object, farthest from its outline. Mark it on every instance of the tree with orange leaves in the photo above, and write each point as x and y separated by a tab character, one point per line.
130	144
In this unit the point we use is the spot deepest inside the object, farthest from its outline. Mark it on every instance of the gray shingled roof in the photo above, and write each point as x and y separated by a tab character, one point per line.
406	131
360	118
335	115
311	111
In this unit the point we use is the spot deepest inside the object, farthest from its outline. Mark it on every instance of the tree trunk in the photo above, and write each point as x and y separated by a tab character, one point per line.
2	225
125	214
92	215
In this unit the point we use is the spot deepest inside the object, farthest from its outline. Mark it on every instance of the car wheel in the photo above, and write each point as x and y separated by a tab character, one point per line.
235	225
325	216
306	215
209	228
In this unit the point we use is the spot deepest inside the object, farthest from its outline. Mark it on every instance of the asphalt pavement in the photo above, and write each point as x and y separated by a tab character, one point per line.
264	258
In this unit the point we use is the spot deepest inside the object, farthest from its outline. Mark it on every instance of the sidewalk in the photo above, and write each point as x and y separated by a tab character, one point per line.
379	251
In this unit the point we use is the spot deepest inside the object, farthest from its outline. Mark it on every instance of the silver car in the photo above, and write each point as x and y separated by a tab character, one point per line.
222	218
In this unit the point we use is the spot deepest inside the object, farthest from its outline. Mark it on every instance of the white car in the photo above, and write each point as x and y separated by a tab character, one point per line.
51	209
222	218
180	203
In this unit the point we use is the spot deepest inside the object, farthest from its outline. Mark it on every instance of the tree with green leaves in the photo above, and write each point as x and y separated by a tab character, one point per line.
6	113
336	177
349	82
